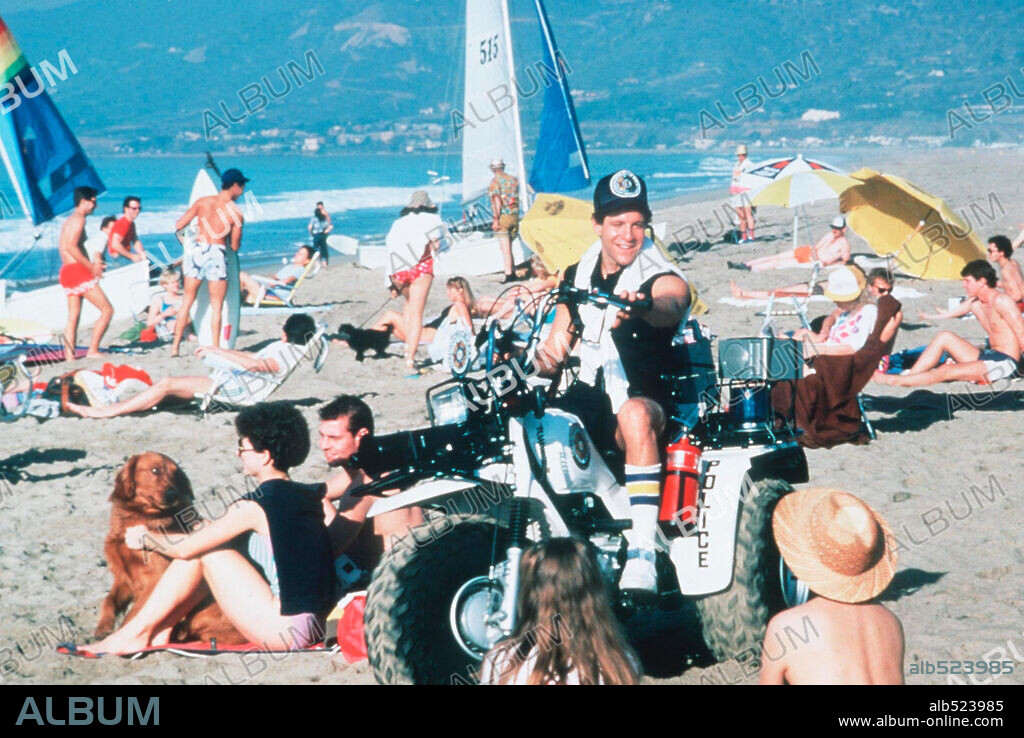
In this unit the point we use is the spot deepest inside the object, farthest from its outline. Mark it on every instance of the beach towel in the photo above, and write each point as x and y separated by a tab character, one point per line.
825	403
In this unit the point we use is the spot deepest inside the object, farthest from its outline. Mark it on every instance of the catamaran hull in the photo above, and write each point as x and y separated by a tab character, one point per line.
470	254
126	287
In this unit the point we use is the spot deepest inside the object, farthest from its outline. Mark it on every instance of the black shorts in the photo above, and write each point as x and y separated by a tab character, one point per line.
594	409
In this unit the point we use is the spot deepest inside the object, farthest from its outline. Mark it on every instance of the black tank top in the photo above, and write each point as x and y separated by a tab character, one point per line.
645	350
302	548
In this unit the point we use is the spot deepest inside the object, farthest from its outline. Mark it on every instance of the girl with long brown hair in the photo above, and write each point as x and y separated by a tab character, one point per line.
565	630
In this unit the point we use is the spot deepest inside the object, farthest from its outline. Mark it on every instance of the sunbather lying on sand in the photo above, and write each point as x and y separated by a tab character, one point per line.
832	248
1002	321
879	283
280	356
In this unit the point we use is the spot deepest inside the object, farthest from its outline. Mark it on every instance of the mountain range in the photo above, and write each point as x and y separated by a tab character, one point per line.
641	72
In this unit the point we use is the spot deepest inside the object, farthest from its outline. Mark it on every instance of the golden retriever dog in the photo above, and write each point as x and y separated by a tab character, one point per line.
152	490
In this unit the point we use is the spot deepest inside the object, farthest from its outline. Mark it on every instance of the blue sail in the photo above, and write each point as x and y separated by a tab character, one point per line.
42	157
560	162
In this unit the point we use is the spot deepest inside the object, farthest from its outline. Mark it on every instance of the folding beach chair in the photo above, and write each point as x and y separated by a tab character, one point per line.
799	306
15	379
277	295
257	387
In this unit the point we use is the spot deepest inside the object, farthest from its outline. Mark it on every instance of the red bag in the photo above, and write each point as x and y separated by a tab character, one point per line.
351	635
148	335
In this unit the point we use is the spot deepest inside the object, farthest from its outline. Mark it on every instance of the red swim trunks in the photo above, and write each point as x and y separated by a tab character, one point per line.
408	276
803	254
76	279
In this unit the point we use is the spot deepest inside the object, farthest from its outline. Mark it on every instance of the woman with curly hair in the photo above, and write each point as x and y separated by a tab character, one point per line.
280	590
565	630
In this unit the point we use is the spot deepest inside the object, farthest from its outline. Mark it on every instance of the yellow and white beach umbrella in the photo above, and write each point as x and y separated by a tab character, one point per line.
921	232
801	188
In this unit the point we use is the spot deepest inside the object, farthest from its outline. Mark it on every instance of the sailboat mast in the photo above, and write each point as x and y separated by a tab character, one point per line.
514	92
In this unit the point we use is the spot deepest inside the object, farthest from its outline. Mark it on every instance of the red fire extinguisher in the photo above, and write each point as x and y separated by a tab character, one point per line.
682	485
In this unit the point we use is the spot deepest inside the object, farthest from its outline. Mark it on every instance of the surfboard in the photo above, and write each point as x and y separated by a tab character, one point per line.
231	313
25	329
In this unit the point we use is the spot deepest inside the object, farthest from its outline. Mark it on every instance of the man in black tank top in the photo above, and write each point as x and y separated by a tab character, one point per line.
621	400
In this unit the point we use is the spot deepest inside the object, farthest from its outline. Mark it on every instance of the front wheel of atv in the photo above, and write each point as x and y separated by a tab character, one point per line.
428	603
734	621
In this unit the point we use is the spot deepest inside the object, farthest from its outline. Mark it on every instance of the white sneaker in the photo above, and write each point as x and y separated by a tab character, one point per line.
639	573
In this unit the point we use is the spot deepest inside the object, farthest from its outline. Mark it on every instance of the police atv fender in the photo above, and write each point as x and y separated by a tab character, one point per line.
499	468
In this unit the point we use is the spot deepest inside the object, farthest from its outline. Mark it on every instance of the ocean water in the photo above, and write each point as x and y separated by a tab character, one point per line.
363	194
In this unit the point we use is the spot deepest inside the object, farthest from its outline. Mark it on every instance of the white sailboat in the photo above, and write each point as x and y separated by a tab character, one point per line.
492	130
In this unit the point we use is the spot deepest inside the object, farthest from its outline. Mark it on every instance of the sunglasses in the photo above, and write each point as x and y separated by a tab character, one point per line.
135	207
242	448
884	290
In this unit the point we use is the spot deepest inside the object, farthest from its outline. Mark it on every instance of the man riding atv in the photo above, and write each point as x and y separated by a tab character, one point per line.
619	395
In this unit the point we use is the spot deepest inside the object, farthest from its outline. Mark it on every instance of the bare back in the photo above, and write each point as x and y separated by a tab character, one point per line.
1002	322
828	642
72	240
1011	280
218	217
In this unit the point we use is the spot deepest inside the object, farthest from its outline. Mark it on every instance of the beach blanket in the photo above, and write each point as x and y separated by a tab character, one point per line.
825	403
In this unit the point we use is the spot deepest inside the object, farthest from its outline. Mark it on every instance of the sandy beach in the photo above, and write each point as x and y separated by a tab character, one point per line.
944	471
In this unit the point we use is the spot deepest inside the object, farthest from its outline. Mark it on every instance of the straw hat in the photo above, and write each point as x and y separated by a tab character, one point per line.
497	163
420	199
741	149
838	222
835	543
845	284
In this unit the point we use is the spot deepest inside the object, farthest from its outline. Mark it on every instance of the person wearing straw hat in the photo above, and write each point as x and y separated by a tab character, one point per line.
845	553
832	248
744	211
411	243
504	194
847	328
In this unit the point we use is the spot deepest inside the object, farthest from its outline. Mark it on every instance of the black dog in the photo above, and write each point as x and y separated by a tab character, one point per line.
362	340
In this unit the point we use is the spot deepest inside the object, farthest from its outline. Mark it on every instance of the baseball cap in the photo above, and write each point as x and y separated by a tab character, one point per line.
232	177
621	192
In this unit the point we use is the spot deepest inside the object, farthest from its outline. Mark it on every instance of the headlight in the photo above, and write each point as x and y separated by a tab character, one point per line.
449	406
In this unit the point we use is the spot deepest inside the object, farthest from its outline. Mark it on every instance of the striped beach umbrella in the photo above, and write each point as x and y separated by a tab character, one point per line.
799	182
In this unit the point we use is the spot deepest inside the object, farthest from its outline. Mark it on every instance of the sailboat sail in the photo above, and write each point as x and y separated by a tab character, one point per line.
560	162
491	111
42	157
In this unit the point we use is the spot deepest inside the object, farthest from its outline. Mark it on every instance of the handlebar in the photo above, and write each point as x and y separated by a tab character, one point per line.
569	294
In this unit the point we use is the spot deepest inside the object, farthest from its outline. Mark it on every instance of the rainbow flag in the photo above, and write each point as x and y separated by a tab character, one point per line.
41	156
